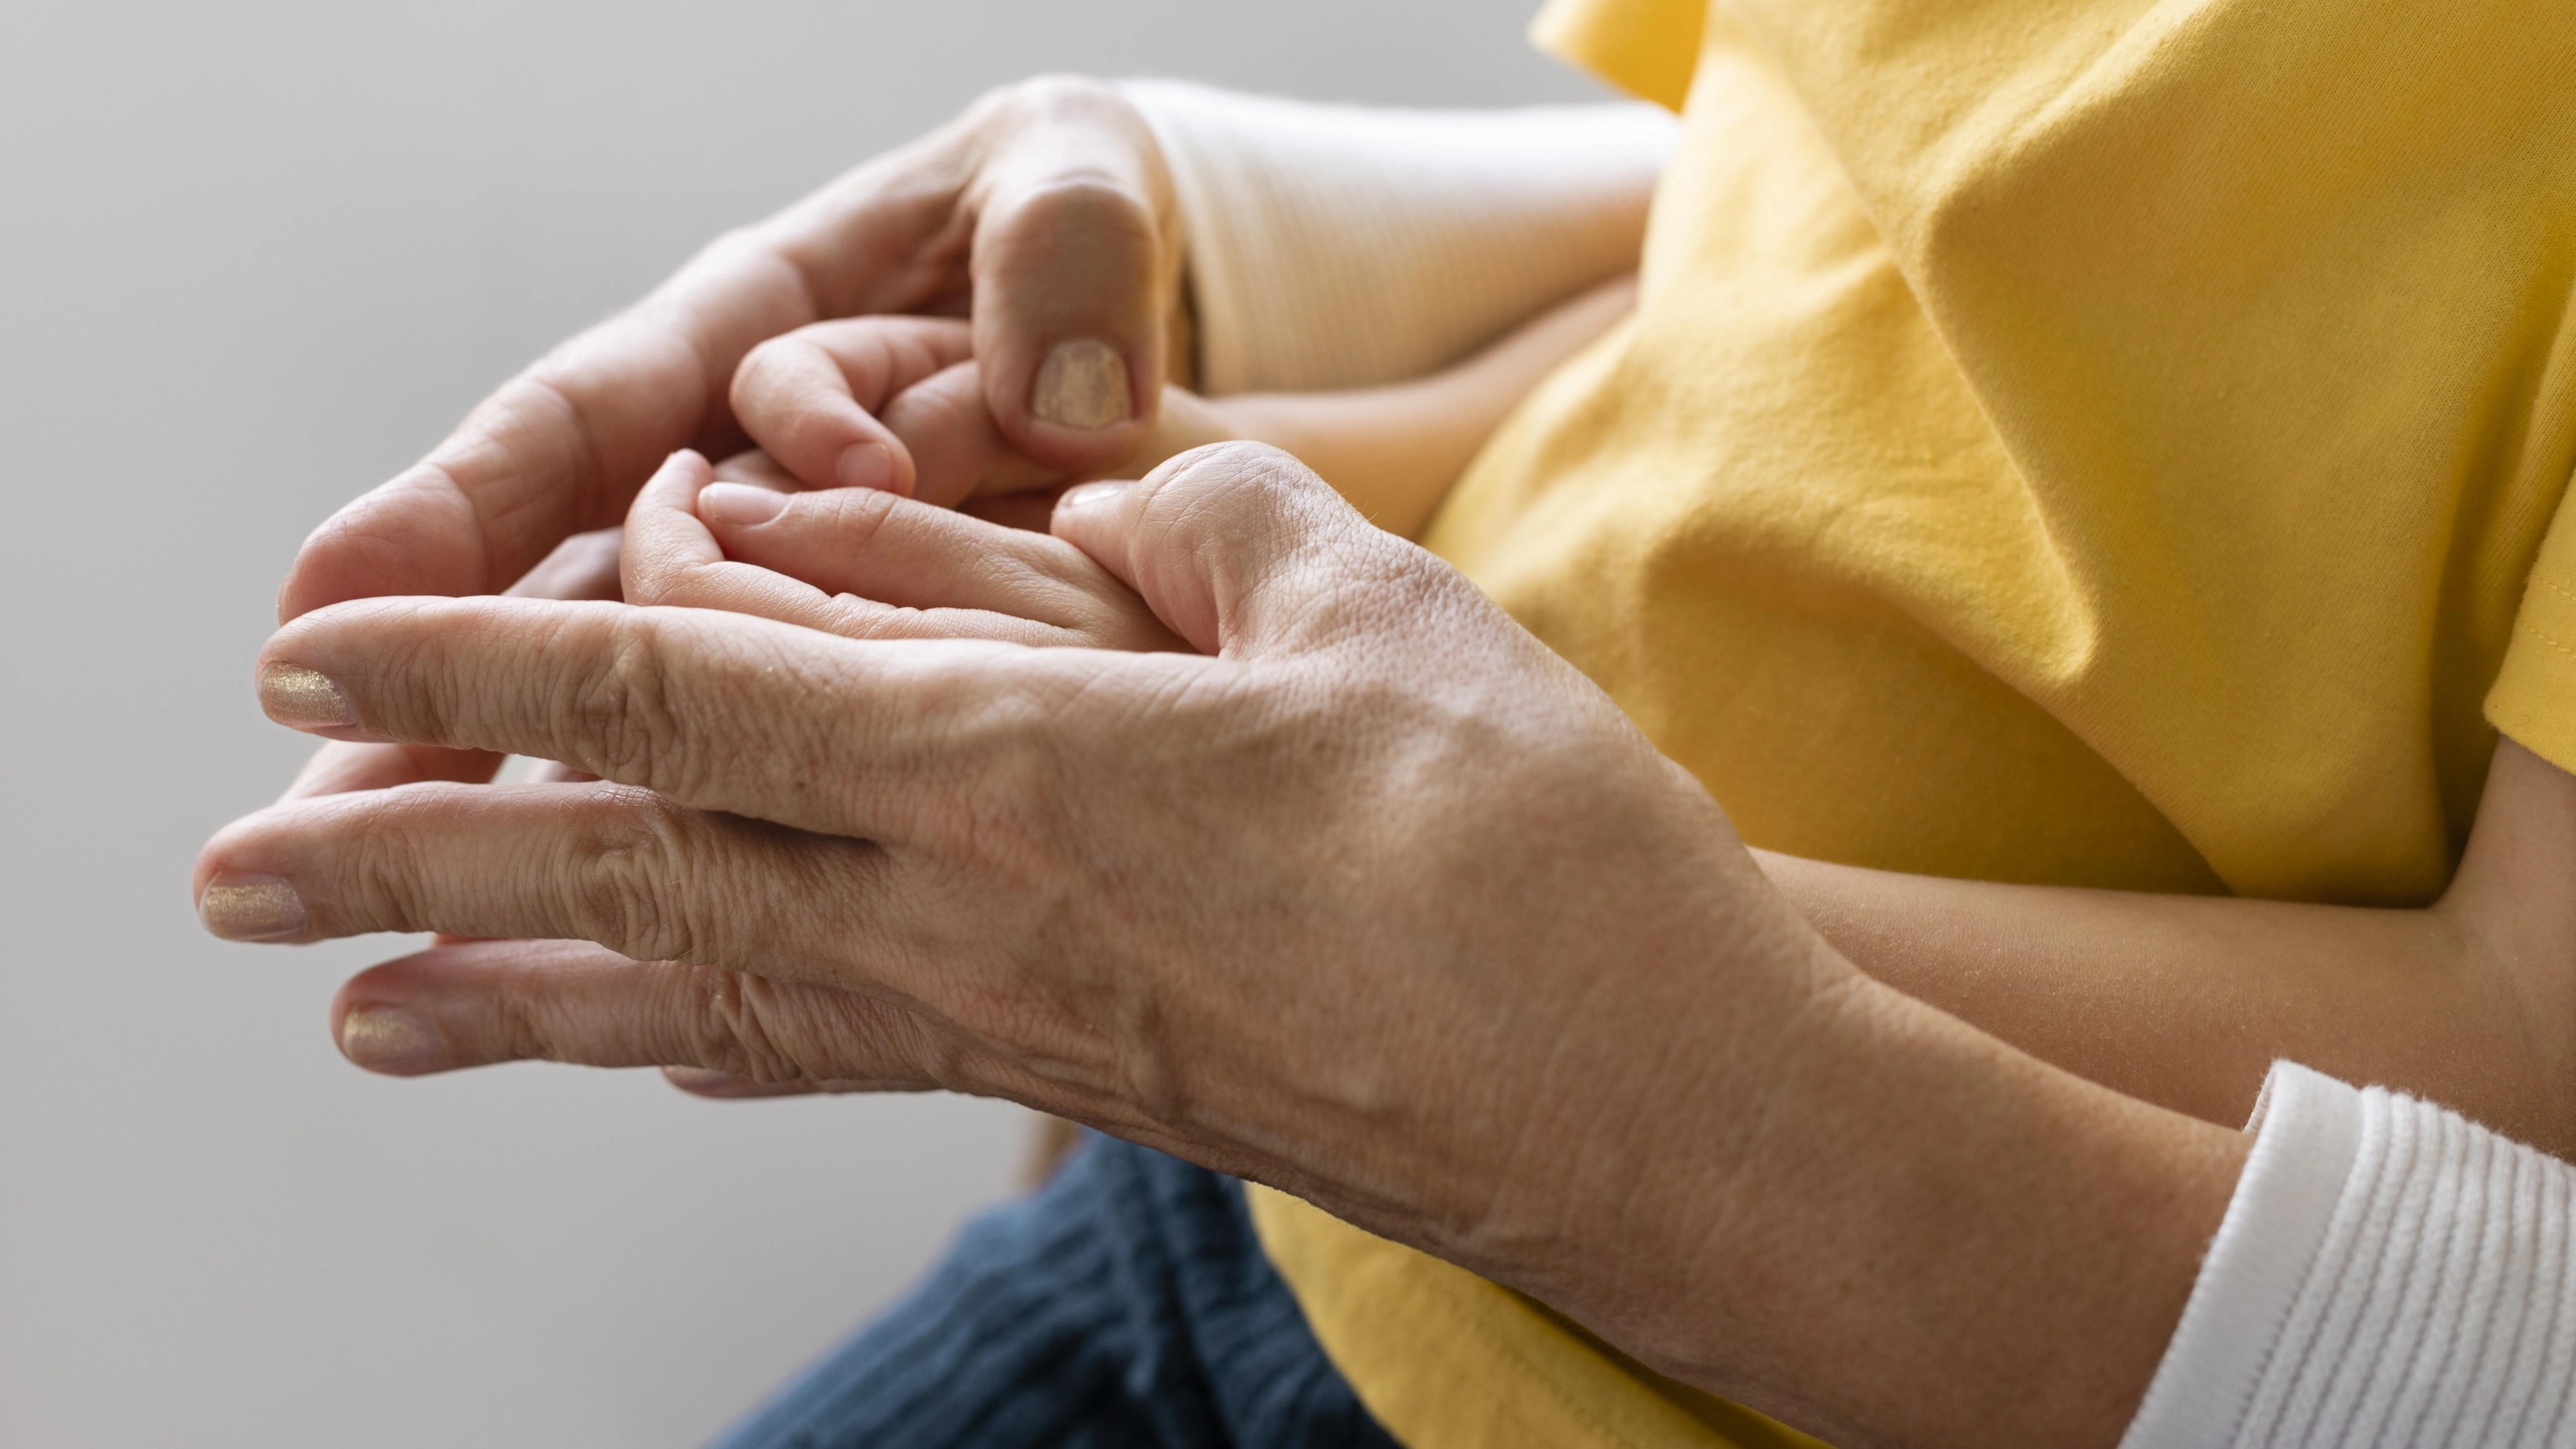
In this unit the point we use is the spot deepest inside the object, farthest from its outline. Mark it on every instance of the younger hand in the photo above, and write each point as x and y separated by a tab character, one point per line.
867	564
899	404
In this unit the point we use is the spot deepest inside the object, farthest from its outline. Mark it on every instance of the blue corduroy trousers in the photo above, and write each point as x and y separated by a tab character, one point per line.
1125	1305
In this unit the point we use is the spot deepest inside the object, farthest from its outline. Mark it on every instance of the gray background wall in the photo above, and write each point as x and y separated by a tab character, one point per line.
253	258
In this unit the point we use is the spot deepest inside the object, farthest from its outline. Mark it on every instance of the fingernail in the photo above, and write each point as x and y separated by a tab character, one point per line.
1090	495
304	698
388	1038
252	908
865	465
1082	384
739	504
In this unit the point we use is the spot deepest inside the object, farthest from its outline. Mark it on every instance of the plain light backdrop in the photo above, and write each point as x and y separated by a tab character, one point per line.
253	259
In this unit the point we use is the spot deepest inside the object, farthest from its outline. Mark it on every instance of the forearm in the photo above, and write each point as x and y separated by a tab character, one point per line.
1928	1238
1394	451
2186	1001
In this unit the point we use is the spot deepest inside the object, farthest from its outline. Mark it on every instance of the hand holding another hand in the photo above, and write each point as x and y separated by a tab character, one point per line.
1044	214
1268	904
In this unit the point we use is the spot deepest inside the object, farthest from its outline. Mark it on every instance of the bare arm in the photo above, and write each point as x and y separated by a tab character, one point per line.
2183	1001
1395	451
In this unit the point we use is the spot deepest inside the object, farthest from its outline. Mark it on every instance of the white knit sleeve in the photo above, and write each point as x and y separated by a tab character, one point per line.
1342	246
2387	1274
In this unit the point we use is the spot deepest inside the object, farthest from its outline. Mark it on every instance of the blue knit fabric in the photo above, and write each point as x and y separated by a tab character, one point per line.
1125	1305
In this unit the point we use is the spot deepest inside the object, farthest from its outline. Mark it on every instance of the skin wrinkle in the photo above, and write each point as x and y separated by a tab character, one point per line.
386	873
1758	1122
381	547
619	882
748	1018
622	715
590	499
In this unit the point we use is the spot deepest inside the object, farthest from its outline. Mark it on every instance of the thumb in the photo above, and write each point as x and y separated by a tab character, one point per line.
1240	549
1075	266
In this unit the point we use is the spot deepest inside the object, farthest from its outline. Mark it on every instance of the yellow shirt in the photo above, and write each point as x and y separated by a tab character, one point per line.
2084	441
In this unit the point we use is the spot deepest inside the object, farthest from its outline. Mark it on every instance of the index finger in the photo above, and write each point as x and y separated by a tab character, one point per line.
715	711
583	567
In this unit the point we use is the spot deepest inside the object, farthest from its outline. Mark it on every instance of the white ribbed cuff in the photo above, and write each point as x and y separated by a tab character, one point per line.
1342	246
2388	1274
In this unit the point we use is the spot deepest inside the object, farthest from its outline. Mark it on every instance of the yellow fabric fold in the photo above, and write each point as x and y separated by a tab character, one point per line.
1647	48
2095	442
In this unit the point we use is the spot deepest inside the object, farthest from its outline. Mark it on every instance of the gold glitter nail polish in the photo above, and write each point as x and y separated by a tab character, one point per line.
304	698
388	1038
252	908
1083	384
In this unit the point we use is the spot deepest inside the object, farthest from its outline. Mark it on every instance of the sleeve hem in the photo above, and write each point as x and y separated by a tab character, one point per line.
2533	700
2308	1134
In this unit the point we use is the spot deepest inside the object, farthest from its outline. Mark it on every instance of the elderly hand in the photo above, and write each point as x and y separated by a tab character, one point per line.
1045	211
1370	897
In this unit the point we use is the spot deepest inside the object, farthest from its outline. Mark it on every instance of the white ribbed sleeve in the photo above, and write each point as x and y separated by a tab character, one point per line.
2387	1274
1342	246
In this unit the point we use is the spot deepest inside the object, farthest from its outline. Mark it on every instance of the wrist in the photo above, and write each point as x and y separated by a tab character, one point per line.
1904	1216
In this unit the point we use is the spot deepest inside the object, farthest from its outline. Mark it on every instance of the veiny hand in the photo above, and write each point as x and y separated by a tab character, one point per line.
1371	896
1368	896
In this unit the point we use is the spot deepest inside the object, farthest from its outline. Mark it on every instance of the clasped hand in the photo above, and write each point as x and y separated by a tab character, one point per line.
1364	893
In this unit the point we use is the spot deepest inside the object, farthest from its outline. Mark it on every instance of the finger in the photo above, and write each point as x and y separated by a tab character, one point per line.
736	1087
562	447
811	398
731	1087
1237	546
620	867
717	711
483	1002
1076	258
716	1033
960	451
340	766
870	565
962	455
907	553
584	566
1030	512
755	468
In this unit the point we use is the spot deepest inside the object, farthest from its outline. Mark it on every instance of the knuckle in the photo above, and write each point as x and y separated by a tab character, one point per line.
1049	98
752	1027
1225	488
391	883
758	377
858	517
1083	200
1235	467
622	715
1079	220
628	876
